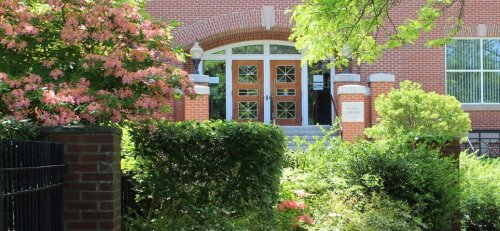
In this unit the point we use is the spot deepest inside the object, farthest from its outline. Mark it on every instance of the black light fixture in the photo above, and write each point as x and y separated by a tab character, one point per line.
196	53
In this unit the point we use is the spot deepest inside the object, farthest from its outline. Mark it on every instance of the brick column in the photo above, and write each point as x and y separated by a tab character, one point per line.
92	192
380	83
354	110
198	108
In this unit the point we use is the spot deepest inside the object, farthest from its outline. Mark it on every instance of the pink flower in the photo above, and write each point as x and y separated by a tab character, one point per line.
56	73
300	193
290	204
49	63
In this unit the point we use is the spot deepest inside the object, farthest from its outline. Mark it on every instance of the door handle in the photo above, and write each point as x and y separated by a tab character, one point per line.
267	97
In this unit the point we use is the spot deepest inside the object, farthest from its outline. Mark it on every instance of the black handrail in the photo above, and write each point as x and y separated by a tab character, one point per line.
336	114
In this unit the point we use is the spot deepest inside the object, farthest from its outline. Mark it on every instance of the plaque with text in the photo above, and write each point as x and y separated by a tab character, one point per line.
353	112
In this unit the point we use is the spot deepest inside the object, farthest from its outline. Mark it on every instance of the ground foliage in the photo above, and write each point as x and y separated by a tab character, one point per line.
480	192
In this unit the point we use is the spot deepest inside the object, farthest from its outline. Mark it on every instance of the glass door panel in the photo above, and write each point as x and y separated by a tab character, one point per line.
248	89
286	92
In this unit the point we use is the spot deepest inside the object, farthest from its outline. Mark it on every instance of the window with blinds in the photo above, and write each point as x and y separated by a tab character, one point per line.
473	70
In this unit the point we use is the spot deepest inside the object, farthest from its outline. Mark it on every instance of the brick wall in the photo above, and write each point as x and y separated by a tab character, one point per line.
196	109
92	193
217	23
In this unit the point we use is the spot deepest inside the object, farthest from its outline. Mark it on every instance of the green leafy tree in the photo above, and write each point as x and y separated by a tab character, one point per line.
363	28
410	113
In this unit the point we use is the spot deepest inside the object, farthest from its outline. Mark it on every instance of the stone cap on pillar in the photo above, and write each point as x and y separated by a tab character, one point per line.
353	90
346	77
197	78
382	77
202	90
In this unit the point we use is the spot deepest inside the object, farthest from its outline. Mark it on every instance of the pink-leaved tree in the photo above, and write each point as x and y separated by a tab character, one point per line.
86	62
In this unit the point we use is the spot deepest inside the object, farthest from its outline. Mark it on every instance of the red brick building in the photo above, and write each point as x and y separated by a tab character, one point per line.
256	74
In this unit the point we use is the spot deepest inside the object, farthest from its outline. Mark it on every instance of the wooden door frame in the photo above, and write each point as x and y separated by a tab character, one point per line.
236	86
297	98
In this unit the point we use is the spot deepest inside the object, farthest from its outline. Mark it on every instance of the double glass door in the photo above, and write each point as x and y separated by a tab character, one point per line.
285	91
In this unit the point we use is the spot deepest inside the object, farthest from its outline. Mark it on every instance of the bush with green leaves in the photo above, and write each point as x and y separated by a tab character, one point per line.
10	128
373	185
410	113
480	192
187	167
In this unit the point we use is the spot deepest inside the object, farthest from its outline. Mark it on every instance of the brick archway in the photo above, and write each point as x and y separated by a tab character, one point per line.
233	27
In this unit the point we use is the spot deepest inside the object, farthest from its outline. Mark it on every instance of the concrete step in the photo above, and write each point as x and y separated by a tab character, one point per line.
309	133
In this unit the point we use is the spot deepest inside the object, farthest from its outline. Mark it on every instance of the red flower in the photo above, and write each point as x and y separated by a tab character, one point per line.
289	204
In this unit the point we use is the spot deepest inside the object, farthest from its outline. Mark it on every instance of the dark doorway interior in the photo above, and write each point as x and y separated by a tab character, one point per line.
320	104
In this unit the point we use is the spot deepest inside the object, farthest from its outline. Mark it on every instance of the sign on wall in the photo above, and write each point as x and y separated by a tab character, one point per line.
353	112
318	84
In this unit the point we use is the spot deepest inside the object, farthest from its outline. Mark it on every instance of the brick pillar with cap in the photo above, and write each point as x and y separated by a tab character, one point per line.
198	108
354	107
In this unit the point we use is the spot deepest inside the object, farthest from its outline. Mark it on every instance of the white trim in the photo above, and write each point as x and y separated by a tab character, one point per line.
347	77
202	90
481	107
229	88
267	85
354	89
199	78
305	95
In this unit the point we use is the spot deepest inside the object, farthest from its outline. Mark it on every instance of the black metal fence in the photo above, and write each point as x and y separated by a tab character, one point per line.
128	195
31	181
484	142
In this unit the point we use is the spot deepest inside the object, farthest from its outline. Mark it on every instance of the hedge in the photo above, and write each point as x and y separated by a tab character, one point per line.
223	164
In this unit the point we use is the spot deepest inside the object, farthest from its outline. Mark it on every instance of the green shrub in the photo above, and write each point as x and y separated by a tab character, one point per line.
411	180
11	128
480	192
187	166
410	113
418	176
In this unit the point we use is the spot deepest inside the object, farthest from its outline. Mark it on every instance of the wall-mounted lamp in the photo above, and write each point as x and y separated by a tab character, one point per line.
196	53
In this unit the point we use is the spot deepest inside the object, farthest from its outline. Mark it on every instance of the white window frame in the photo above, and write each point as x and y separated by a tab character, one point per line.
472	106
266	57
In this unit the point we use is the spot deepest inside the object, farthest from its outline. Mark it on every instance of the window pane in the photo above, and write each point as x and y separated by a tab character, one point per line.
282	49
250	49
285	74
465	86
222	52
463	55
217	98
491	87
247	74
491	49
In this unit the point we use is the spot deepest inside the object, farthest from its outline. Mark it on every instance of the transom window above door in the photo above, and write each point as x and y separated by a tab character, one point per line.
273	48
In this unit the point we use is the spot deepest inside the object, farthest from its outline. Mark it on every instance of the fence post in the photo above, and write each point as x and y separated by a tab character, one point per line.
93	188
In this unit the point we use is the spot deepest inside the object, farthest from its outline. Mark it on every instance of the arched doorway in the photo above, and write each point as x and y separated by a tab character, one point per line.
261	80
